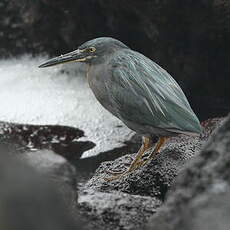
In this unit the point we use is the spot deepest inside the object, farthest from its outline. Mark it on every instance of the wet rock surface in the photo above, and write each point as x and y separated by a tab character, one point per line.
61	139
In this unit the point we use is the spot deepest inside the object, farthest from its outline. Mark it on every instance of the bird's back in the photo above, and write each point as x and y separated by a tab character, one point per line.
145	97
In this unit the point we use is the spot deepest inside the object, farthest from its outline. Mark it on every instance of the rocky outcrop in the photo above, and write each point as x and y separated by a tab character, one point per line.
185	187
58	170
30	201
146	185
61	139
39	146
199	199
116	210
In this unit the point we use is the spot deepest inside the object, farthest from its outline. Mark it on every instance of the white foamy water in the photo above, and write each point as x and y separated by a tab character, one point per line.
48	96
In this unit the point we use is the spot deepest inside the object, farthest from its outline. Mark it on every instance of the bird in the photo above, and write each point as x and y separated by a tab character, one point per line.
136	90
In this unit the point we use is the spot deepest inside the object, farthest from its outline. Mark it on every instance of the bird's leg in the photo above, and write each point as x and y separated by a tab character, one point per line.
143	148
136	161
141	151
157	147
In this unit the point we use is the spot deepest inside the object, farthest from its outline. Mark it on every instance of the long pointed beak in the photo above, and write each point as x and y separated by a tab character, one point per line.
75	56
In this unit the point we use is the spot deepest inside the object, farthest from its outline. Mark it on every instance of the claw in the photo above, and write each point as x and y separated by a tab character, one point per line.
114	173
117	175
108	179
138	162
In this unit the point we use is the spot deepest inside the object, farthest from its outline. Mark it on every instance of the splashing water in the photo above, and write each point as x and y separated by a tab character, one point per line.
59	97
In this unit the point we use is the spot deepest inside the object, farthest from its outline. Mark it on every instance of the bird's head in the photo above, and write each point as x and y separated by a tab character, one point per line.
93	52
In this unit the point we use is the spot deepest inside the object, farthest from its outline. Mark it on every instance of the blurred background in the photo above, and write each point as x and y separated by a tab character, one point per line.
190	39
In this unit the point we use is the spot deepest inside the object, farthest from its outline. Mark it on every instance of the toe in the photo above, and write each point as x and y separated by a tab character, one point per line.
114	172
108	179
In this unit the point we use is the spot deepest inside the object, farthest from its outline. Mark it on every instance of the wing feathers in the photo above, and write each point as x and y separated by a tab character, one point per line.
152	96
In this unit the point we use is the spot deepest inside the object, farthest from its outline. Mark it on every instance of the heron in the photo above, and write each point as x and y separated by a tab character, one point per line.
136	90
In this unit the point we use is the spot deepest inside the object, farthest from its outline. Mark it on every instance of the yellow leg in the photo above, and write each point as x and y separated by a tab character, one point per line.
144	147
135	164
158	145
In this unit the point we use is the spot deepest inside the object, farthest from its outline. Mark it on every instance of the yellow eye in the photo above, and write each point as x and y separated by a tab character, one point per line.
92	49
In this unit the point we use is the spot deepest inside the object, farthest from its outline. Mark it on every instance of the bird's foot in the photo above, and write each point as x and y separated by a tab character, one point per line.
114	173
154	152
117	175
144	162
135	164
138	161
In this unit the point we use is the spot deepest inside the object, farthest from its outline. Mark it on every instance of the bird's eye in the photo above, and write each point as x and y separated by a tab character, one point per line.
92	49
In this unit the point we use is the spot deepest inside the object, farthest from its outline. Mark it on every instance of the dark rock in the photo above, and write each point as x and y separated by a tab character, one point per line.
24	142
154	178
57	170
199	199
189	39
29	201
103	201
116	210
209	211
90	164
61	139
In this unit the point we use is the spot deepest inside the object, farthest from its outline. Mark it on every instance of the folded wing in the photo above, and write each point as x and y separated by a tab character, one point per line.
144	93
